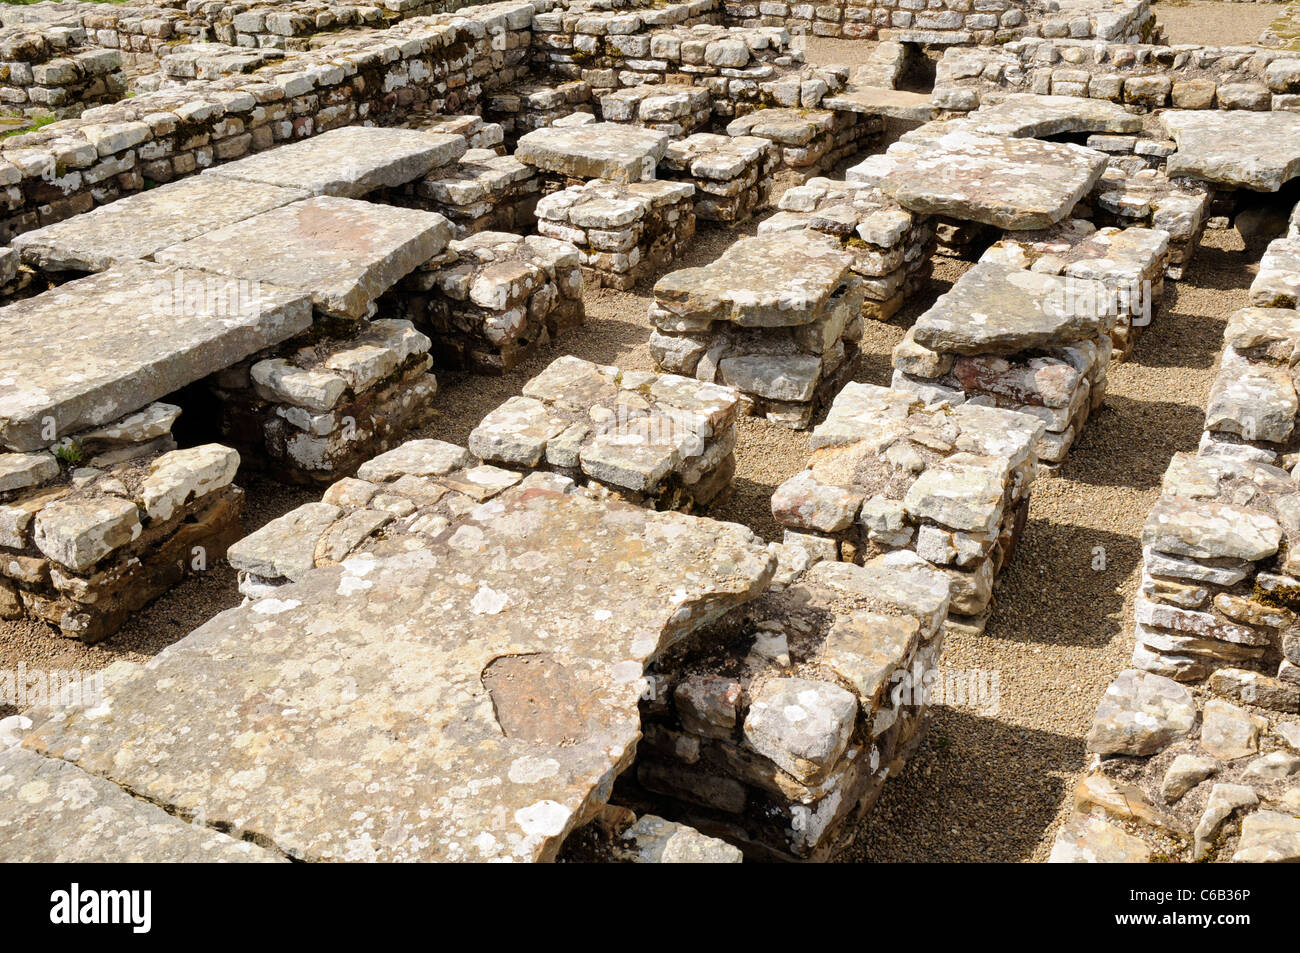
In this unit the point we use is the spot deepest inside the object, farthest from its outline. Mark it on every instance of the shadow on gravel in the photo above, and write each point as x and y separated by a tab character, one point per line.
1129	442
970	766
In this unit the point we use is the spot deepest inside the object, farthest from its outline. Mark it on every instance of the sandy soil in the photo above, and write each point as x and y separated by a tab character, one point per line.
1222	24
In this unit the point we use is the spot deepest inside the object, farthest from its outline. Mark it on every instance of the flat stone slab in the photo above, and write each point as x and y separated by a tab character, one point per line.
468	698
1026	115
53	812
348	162
1236	148
1009	183
88	352
998	309
141	224
875	101
779	280
599	150
342	252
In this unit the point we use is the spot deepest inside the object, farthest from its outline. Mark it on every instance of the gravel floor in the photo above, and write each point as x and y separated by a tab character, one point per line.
1223	24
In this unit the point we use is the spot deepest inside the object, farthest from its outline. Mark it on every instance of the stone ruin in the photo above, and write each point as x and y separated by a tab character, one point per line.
256	235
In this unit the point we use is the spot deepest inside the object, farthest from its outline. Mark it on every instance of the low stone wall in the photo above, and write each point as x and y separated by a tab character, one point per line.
114	518
1221	567
591	42
493	299
776	316
950	22
915	484
1144	77
623	231
662	441
441	63
56	71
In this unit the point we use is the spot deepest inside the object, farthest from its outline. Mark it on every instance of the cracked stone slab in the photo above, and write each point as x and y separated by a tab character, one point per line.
1009	183
141	224
470	698
600	150
1025	115
996	309
53	812
348	162
342	252
93	350
1236	148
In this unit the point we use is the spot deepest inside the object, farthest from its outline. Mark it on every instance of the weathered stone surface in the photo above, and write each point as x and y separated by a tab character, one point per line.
53	812
141	224
1088	839
348	162
1184	773
1237	149
604	150
773	281
447	675
1224	800
1024	115
18	471
78	354
342	252
1269	837
802	725
1141	714
1278	283
996	309
1210	531
653	840
1229	732
1009	183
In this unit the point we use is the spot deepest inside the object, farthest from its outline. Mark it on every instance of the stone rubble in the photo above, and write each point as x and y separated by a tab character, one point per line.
893	481
778	317
663	441
1177	776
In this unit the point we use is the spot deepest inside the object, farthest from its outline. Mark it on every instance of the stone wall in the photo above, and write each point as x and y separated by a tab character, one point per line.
1145	77
949	22
441	64
55	70
1221	567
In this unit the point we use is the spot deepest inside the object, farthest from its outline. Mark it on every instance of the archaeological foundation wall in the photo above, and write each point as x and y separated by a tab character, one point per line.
439	64
1141	76
950	22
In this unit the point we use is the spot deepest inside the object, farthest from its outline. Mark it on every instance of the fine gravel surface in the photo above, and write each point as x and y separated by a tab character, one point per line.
1221	24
